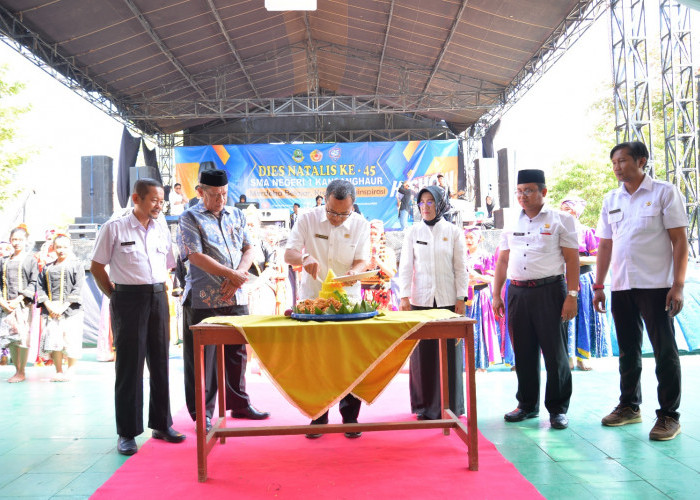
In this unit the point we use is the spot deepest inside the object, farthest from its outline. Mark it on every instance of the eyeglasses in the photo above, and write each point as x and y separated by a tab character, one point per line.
426	204
336	214
526	192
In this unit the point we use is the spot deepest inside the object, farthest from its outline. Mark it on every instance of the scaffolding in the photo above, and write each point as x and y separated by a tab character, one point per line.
680	110
631	99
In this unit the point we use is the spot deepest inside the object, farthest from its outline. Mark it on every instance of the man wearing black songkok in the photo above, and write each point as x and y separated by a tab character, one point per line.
536	249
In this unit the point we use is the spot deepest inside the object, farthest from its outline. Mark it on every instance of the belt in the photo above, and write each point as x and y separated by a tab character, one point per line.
480	287
153	288
586	268
535	283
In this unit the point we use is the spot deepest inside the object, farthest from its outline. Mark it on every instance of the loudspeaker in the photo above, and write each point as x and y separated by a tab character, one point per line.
506	177
485	181
136	173
97	201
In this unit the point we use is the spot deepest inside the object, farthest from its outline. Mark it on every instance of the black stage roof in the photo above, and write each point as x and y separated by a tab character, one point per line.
170	66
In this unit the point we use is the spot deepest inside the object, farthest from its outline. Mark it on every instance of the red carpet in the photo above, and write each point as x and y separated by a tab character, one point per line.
397	464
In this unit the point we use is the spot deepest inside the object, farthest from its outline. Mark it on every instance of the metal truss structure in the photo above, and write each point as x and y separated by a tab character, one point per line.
680	110
631	98
204	138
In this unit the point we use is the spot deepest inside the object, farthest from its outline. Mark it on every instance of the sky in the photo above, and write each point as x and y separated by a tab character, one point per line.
551	123
61	127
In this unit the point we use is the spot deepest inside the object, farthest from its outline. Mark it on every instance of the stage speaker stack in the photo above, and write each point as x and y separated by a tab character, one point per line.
97	200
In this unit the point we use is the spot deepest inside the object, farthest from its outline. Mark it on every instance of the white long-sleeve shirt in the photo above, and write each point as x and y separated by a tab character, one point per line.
333	247
433	267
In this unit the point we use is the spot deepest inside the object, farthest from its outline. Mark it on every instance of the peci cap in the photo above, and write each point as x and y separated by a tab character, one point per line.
214	178
531	175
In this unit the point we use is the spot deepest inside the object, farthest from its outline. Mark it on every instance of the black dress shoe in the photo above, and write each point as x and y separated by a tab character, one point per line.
558	421
170	435
126	446
250	413
352	435
519	415
319	421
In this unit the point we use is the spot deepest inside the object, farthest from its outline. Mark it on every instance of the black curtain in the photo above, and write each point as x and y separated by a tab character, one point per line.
151	159
487	140
128	152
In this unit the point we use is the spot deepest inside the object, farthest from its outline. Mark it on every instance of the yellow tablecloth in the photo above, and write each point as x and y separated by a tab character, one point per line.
315	364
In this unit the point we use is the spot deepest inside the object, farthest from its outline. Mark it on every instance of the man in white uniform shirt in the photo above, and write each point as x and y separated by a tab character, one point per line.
536	249
331	236
138	249
643	241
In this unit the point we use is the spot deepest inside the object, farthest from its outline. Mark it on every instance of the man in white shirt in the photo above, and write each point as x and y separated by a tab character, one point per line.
536	249
331	236
643	241
138	249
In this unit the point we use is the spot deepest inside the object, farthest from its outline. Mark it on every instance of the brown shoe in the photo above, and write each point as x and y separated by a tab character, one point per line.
665	428
622	415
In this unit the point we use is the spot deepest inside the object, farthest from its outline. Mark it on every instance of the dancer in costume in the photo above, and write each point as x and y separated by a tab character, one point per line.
18	274
58	294
433	274
481	266
587	334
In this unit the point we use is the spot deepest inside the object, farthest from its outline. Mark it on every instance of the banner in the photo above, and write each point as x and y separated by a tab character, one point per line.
279	175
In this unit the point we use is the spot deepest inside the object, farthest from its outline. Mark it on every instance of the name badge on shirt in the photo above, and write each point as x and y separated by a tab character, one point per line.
615	211
347	235
127	243
322	236
546	229
518	234
421	242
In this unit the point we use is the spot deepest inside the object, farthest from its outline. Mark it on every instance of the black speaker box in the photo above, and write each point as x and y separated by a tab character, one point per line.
136	173
477	182
505	181
97	199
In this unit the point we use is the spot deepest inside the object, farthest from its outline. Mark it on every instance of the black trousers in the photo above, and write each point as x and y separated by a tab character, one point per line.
628	308
534	323
424	375
141	326
349	408
235	361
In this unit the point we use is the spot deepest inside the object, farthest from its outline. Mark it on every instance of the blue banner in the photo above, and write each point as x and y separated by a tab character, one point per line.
279	175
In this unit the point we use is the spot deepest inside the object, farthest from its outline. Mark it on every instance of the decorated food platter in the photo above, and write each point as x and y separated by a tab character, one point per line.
333	303
334	317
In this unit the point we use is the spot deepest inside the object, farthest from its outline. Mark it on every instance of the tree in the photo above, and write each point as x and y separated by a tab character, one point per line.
592	177
10	156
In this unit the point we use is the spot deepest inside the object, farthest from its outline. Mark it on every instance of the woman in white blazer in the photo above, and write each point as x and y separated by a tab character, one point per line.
433	274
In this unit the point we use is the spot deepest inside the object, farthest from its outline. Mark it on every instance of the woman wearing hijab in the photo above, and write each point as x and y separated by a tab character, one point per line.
433	274
587	333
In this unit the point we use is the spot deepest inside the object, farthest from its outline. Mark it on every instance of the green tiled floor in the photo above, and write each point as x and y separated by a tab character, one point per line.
588	460
58	440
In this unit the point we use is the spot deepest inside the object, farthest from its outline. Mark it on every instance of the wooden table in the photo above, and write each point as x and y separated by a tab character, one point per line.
219	335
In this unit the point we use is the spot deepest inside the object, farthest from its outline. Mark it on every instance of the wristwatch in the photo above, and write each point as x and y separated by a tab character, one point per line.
462	298
572	293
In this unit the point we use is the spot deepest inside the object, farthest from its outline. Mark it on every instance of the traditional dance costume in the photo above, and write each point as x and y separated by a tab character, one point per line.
18	276
62	283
